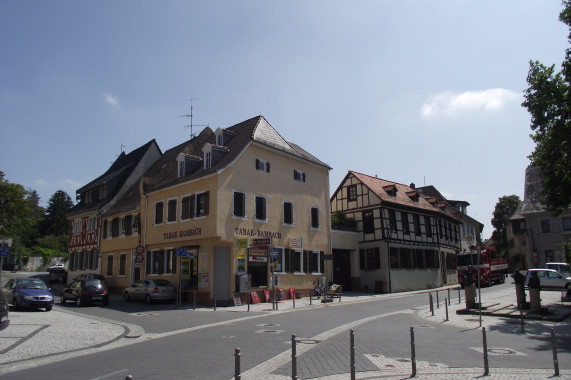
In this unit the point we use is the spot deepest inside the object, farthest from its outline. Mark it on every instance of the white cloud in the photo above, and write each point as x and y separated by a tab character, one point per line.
111	100
451	104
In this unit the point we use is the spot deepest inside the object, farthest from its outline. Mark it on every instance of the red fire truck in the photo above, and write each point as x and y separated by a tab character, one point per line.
492	269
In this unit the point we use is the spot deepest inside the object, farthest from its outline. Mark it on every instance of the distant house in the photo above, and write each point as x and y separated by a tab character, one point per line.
405	240
535	232
97	197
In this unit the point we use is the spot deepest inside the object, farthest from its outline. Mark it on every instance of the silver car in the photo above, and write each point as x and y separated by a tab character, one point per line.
150	291
549	279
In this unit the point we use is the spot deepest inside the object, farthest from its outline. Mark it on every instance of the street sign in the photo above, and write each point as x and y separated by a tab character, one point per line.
4	251
261	243
140	250
183	252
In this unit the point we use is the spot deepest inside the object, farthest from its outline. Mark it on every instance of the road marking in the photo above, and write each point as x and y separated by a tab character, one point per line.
110	374
264	370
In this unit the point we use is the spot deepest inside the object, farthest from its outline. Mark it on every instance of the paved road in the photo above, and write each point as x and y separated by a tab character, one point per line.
161	341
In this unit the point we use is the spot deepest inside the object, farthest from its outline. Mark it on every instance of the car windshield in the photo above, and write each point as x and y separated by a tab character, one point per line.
31	284
162	283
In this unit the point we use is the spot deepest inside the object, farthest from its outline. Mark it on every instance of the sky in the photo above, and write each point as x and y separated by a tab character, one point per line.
424	92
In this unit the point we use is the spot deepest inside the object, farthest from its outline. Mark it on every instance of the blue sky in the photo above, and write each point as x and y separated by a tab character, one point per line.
427	92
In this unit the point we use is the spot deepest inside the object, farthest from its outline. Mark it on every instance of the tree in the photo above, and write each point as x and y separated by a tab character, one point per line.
549	102
58	206
503	211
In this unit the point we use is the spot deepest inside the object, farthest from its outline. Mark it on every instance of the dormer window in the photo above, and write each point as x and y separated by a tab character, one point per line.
413	195
207	150
103	192
391	190
432	201
180	159
88	196
262	166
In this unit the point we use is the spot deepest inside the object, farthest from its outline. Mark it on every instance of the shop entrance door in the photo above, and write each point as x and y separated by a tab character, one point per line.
222	273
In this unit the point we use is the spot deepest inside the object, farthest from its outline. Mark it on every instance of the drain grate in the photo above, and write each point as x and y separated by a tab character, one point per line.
499	351
269	331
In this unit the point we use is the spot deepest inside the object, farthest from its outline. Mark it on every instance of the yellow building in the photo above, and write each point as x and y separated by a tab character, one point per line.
224	205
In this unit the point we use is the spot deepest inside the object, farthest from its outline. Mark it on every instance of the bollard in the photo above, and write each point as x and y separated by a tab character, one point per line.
237	364
412	352
293	358
249	296
459	300
446	305
352	351
554	348
431	305
214	301
194	302
294	300
485	343
437	300
521	317
448	296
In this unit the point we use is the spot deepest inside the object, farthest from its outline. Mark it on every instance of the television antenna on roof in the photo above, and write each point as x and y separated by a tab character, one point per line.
191	125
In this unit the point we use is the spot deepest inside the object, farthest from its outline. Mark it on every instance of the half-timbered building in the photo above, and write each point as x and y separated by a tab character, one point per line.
406	241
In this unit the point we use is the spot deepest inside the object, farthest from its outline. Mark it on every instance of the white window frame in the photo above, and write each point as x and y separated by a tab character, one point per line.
122	227
135	227
319	269
292	224
302	272
256	210
77	226
241	217
175	211
109	232
168	252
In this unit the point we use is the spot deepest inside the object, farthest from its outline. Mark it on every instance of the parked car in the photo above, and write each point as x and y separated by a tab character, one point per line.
4	320
562	268
150	291
28	292
84	291
57	274
58	265
549	279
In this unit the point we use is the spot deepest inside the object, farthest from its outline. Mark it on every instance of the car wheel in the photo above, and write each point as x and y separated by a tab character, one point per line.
148	299
48	308
126	296
78	302
63	300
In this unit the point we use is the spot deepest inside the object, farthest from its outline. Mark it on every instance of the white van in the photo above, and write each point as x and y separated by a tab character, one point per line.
562	268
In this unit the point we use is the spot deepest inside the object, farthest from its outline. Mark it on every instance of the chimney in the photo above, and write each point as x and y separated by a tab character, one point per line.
412	185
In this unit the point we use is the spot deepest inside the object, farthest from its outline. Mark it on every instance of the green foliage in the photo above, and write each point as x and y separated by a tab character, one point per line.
548	100
56	222
340	221
503	211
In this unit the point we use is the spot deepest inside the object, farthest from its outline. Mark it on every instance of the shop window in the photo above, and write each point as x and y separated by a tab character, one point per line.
122	264
109	265
279	260
159	212
418	257
170	261
171	210
239	204
315	218
288	213
394	257
260	205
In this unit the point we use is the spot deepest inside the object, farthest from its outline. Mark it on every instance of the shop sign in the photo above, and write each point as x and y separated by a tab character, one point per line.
257	233
182	233
296	243
243	243
258	259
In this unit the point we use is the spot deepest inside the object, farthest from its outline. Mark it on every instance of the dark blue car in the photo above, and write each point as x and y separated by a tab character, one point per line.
28	292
